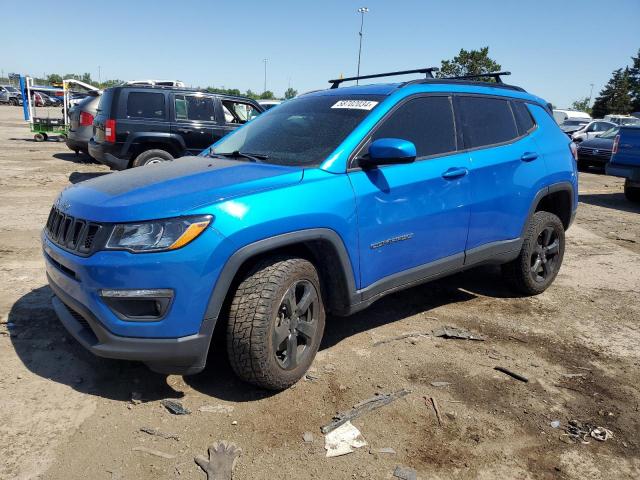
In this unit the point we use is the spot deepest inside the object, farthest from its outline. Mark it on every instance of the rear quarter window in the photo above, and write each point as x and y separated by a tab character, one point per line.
524	120
486	121
146	105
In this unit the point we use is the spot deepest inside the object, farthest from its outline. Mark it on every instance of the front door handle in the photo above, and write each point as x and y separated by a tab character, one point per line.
455	172
184	130
529	156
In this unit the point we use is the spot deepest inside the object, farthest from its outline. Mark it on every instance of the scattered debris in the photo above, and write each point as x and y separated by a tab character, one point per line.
405	473
156	453
158	433
580	431
555	424
136	398
175	407
307	437
434	404
573	375
222	460
440	384
310	377
459	333
363	407
382	451
217	408
518	339
234	423
401	337
343	440
512	374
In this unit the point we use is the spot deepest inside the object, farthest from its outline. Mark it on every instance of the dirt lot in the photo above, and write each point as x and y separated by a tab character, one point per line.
66	414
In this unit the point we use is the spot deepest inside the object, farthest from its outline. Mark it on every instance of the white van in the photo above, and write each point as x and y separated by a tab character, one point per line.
561	115
622	119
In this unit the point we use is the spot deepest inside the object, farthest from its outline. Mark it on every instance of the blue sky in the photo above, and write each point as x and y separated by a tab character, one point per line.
555	49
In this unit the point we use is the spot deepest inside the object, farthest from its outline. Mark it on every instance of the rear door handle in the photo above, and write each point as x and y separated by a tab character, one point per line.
529	156
184	130
455	172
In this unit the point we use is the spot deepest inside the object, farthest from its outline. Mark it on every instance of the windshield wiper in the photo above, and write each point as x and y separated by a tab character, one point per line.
254	157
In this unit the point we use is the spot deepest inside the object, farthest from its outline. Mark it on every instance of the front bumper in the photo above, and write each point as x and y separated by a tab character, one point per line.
179	356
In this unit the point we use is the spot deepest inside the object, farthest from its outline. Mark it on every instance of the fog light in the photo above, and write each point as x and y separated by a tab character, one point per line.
139	305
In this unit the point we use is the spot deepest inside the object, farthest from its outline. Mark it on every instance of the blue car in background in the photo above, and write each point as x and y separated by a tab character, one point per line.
320	206
625	161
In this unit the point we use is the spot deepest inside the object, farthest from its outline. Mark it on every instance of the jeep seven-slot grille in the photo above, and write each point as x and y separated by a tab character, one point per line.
71	233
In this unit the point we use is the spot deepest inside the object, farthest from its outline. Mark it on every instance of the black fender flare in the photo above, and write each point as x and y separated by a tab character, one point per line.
235	262
175	141
543	192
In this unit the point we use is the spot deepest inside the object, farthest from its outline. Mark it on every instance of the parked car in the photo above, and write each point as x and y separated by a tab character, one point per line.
142	125
596	152
561	116
81	118
267	104
573	125
10	95
159	83
591	130
323	205
625	161
622	119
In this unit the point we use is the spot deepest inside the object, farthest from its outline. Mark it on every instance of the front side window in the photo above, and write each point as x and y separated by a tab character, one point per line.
198	108
302	131
427	122
238	112
145	105
486	121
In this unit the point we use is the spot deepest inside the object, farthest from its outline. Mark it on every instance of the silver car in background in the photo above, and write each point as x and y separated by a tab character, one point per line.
81	118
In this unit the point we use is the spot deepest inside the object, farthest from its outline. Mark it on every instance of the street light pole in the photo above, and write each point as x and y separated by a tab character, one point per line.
361	11
265	75
590	95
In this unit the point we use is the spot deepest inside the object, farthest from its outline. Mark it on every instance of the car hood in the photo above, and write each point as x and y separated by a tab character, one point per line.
170	189
603	143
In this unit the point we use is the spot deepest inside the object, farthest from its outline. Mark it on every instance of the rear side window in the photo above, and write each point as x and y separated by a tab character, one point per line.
104	106
486	121
524	120
427	122
145	105
195	107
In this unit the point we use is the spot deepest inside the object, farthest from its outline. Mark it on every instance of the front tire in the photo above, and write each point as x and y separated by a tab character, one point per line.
541	255
276	322
149	157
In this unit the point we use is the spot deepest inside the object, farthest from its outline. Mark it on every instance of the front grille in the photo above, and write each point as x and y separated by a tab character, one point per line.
71	233
599	153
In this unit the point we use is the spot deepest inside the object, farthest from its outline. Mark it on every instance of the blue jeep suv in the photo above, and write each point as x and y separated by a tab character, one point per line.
322	205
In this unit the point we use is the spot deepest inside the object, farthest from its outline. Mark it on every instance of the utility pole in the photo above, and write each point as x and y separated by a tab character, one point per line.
265	75
99	75
590	95
361	11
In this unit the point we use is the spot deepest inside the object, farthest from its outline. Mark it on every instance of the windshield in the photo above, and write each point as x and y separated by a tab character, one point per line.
12	89
611	133
300	132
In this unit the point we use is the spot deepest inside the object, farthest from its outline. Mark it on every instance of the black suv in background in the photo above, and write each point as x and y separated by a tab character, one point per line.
140	125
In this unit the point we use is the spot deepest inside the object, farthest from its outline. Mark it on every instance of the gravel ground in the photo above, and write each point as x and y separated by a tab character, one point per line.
66	414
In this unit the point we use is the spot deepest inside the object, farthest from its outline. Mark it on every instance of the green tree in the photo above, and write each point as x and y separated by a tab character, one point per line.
290	93
634	79
469	62
249	93
268	95
582	105
54	78
615	97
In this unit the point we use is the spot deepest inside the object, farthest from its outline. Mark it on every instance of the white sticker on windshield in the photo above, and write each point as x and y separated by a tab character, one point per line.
355	104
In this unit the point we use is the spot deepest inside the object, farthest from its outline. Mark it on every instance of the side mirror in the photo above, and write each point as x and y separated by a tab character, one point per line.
388	151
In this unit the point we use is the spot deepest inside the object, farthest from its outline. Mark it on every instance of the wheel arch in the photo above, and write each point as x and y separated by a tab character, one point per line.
321	246
557	199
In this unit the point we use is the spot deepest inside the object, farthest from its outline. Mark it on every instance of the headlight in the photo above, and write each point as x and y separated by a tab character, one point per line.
157	235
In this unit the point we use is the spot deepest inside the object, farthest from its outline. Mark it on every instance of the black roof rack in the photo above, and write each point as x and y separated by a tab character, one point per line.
427	71
495	75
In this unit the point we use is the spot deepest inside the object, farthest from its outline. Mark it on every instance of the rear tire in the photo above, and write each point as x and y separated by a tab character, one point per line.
632	193
276	322
541	255
152	156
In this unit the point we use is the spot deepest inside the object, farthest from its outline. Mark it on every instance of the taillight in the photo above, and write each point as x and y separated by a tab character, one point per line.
110	130
86	119
616	141
574	150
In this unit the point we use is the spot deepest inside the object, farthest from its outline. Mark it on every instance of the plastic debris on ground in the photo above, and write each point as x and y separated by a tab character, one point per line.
216	408
405	473
448	332
175	407
582	431
343	440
